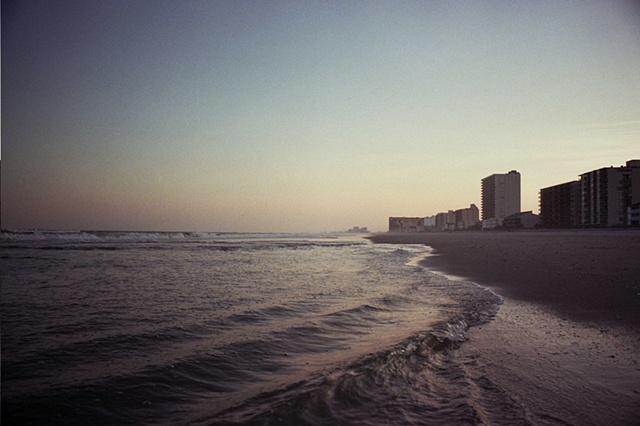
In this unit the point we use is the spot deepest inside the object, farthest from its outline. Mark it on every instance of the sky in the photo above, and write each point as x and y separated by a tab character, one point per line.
304	116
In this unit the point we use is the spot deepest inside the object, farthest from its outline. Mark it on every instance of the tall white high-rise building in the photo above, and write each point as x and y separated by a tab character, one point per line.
500	196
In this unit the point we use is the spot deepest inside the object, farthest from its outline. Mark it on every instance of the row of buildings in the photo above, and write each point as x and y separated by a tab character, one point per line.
447	221
607	197
500	207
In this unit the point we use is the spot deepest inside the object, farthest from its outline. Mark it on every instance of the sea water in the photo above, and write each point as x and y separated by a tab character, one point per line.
196	328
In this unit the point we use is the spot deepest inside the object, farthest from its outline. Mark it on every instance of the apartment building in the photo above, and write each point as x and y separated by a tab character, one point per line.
633	214
446	221
560	206
500	196
467	218
427	224
608	193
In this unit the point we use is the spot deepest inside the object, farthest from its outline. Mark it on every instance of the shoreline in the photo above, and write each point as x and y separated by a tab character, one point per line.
565	343
587	276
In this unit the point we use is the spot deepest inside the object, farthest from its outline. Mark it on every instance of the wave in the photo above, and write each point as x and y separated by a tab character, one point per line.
28	235
262	337
421	380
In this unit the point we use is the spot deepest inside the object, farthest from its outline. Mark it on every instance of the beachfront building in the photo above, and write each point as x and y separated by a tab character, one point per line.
427	224
560	206
608	193
359	230
500	196
446	221
521	220
633	213
467	218
492	223
404	224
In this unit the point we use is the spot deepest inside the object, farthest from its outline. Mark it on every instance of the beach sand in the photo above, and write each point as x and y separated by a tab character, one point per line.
565	344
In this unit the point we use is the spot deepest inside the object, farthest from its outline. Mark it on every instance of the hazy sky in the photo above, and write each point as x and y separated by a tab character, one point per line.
304	115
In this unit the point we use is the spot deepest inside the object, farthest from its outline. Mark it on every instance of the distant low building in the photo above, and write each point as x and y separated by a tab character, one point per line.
404	224
427	224
521	220
492	223
359	230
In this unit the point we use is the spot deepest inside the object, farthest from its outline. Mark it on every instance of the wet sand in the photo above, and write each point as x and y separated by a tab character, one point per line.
566	341
586	275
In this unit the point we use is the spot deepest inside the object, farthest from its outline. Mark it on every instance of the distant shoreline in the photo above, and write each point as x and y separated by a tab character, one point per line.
586	274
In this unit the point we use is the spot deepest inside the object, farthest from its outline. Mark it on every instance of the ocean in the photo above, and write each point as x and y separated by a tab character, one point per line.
117	328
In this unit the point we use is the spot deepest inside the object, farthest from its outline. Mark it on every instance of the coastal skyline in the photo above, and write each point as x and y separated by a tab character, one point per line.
290	117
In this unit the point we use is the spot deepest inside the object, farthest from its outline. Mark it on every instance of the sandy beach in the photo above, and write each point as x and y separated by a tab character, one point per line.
566	341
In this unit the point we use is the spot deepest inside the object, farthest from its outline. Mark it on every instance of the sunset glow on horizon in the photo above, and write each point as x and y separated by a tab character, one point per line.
304	116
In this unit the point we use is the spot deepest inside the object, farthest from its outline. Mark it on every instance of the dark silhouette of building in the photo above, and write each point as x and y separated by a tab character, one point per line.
601	198
634	214
608	193
521	220
561	205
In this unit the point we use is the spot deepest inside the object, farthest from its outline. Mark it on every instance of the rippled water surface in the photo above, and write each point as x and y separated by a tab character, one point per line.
122	328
